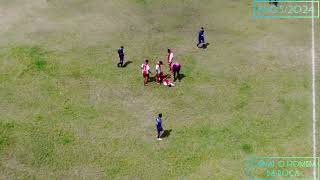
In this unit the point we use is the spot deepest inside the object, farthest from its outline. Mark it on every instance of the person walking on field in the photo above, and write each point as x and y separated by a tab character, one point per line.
158	71
159	126
145	69
121	56
201	37
170	58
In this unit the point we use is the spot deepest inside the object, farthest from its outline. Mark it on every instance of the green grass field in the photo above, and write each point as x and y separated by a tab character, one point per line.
67	111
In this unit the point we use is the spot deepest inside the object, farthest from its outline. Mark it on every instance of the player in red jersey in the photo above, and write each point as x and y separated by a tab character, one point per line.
145	69
170	58
158	71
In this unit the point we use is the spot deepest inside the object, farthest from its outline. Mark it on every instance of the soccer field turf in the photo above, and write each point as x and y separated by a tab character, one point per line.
67	111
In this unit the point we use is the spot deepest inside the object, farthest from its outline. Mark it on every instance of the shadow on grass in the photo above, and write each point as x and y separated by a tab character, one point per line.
152	79
127	63
204	46
166	133
181	77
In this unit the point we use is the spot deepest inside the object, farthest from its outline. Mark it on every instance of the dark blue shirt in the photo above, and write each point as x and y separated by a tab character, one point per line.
159	122
201	34
120	52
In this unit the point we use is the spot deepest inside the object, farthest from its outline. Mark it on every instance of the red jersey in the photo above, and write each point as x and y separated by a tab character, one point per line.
145	68
170	58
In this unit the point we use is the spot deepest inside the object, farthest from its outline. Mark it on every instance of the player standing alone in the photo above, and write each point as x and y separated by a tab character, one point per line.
201	37
159	126
121	56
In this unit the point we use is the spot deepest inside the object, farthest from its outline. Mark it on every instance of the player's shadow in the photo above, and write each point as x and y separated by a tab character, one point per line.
166	133
204	46
180	77
152	78
126	64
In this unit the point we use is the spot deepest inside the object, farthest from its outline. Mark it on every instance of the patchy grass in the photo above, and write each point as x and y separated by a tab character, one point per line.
67	111
33	57
5	134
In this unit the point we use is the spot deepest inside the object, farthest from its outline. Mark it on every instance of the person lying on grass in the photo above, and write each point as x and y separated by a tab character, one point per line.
165	80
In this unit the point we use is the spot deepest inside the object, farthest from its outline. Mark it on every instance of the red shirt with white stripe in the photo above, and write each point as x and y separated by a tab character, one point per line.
158	68
145	68
170	58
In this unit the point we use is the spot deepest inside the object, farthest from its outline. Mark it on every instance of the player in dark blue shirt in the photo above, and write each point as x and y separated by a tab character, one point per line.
121	56
201	37
159	126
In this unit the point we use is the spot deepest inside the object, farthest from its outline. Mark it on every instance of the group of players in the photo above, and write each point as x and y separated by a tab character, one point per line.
161	77
174	68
